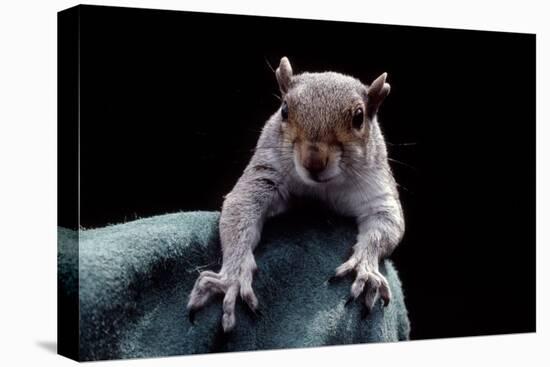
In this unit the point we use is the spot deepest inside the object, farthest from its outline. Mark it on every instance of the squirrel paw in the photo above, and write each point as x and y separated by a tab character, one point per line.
368	280
229	282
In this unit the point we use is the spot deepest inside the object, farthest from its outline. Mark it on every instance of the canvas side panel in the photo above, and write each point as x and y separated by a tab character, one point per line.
68	182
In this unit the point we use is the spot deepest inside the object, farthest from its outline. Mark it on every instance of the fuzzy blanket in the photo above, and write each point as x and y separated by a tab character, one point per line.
134	280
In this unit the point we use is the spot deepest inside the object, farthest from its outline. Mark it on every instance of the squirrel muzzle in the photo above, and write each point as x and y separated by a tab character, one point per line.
314	158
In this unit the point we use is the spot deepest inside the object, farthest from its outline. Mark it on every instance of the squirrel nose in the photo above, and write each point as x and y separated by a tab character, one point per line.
315	164
314	157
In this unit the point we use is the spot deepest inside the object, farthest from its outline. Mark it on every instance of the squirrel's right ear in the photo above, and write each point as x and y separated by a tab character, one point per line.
376	93
284	74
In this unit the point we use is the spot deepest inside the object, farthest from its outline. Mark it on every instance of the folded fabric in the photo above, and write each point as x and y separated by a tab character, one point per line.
134	280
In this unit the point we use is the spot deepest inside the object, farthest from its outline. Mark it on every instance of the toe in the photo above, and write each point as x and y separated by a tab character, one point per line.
357	287
384	290
371	292
359	283
212	284
228	318
209	273
248	296
228	322
346	267
246	291
199	297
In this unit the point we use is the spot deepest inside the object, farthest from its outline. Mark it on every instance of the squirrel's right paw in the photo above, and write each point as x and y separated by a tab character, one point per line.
232	282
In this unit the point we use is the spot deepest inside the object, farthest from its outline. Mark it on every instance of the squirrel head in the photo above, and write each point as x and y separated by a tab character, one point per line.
326	119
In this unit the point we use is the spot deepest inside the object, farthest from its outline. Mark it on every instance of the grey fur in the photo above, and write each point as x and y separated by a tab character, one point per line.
357	182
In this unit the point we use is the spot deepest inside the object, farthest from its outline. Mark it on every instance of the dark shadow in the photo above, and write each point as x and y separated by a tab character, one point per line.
50	346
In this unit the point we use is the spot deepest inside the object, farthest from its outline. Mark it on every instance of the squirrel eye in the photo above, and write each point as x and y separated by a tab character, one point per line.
358	118
284	111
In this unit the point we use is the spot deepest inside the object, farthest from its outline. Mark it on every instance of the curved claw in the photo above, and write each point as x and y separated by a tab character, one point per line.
191	315
254	313
348	301
365	312
386	301
385	292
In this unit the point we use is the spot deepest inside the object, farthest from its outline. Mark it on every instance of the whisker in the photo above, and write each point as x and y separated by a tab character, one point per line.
403	163
404	188
401	144
268	64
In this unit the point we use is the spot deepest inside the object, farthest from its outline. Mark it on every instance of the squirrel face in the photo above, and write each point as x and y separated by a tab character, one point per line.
325	120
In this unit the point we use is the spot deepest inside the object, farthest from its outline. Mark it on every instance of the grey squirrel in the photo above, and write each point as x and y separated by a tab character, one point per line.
324	142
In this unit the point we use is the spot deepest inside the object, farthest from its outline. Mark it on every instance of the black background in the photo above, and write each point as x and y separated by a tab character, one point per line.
172	104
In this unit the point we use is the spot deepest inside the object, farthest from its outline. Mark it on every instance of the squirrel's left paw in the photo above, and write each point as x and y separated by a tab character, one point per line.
367	279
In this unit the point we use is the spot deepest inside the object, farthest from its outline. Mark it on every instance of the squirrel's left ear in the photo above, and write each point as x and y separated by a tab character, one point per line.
284	74
376	93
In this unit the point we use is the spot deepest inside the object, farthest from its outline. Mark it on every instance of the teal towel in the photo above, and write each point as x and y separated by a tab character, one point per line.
135	278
